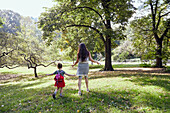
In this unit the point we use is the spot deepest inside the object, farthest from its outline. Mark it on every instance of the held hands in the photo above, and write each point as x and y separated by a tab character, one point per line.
98	63
48	74
73	75
72	65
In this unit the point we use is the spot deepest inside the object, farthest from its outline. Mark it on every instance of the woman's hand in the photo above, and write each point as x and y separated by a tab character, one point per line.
98	63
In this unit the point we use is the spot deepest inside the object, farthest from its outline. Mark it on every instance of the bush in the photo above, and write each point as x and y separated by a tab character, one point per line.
145	65
95	66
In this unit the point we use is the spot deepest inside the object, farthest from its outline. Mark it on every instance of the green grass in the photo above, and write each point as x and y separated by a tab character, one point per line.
126	65
111	92
40	70
50	69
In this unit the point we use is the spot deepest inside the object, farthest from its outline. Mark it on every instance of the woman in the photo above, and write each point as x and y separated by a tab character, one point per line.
83	56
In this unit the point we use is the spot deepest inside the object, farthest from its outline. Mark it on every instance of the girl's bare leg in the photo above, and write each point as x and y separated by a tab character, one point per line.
61	91
55	92
86	80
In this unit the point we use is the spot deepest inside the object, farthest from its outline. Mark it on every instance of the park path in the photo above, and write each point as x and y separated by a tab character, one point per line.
142	69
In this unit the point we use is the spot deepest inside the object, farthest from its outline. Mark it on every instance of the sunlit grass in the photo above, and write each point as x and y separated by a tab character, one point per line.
40	70
113	92
51	69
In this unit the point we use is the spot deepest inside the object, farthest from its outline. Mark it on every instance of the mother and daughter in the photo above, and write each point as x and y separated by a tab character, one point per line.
83	56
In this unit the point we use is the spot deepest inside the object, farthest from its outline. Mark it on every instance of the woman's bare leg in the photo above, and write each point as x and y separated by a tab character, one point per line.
79	85
86	80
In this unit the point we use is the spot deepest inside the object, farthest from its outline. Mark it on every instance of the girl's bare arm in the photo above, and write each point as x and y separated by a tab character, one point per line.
50	74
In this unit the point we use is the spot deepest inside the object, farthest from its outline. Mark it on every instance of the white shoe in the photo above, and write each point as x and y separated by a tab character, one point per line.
88	90
79	93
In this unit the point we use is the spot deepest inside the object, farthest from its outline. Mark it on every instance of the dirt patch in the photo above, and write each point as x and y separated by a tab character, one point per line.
8	76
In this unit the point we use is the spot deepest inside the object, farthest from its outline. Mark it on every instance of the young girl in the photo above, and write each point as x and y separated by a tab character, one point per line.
59	84
83	56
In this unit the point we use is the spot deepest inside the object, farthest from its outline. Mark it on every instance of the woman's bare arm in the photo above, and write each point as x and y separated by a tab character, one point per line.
76	61
91	59
69	74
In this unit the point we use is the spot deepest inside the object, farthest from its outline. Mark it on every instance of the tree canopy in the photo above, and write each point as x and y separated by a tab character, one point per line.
11	21
98	15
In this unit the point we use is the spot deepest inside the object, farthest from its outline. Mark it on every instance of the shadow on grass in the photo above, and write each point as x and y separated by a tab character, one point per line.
139	78
16	99
161	81
15	78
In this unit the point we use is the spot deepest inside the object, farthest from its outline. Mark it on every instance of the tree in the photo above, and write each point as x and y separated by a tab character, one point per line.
24	49
9	45
33	61
153	29
11	21
8	41
34	51
97	15
124	51
1	23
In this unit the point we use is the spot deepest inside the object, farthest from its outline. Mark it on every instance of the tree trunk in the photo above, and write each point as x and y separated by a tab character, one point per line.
159	54
35	71
108	62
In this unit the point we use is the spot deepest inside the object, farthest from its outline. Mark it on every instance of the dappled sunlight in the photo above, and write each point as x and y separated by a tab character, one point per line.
39	85
109	91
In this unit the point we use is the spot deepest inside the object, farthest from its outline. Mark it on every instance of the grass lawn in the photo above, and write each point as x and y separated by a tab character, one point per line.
111	92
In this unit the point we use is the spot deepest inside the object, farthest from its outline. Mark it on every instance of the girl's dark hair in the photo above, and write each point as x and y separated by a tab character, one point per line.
59	65
83	53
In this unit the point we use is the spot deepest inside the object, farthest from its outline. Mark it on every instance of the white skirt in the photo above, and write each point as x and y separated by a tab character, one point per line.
83	69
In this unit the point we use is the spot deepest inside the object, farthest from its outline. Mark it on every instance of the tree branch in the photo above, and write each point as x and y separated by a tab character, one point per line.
153	15
156	7
47	64
94	11
6	53
159	18
165	14
9	67
101	35
164	34
33	62
27	61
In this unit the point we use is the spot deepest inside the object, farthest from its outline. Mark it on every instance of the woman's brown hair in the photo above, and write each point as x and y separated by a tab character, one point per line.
83	53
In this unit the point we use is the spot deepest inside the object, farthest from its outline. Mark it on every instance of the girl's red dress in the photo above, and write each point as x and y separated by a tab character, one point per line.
60	83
